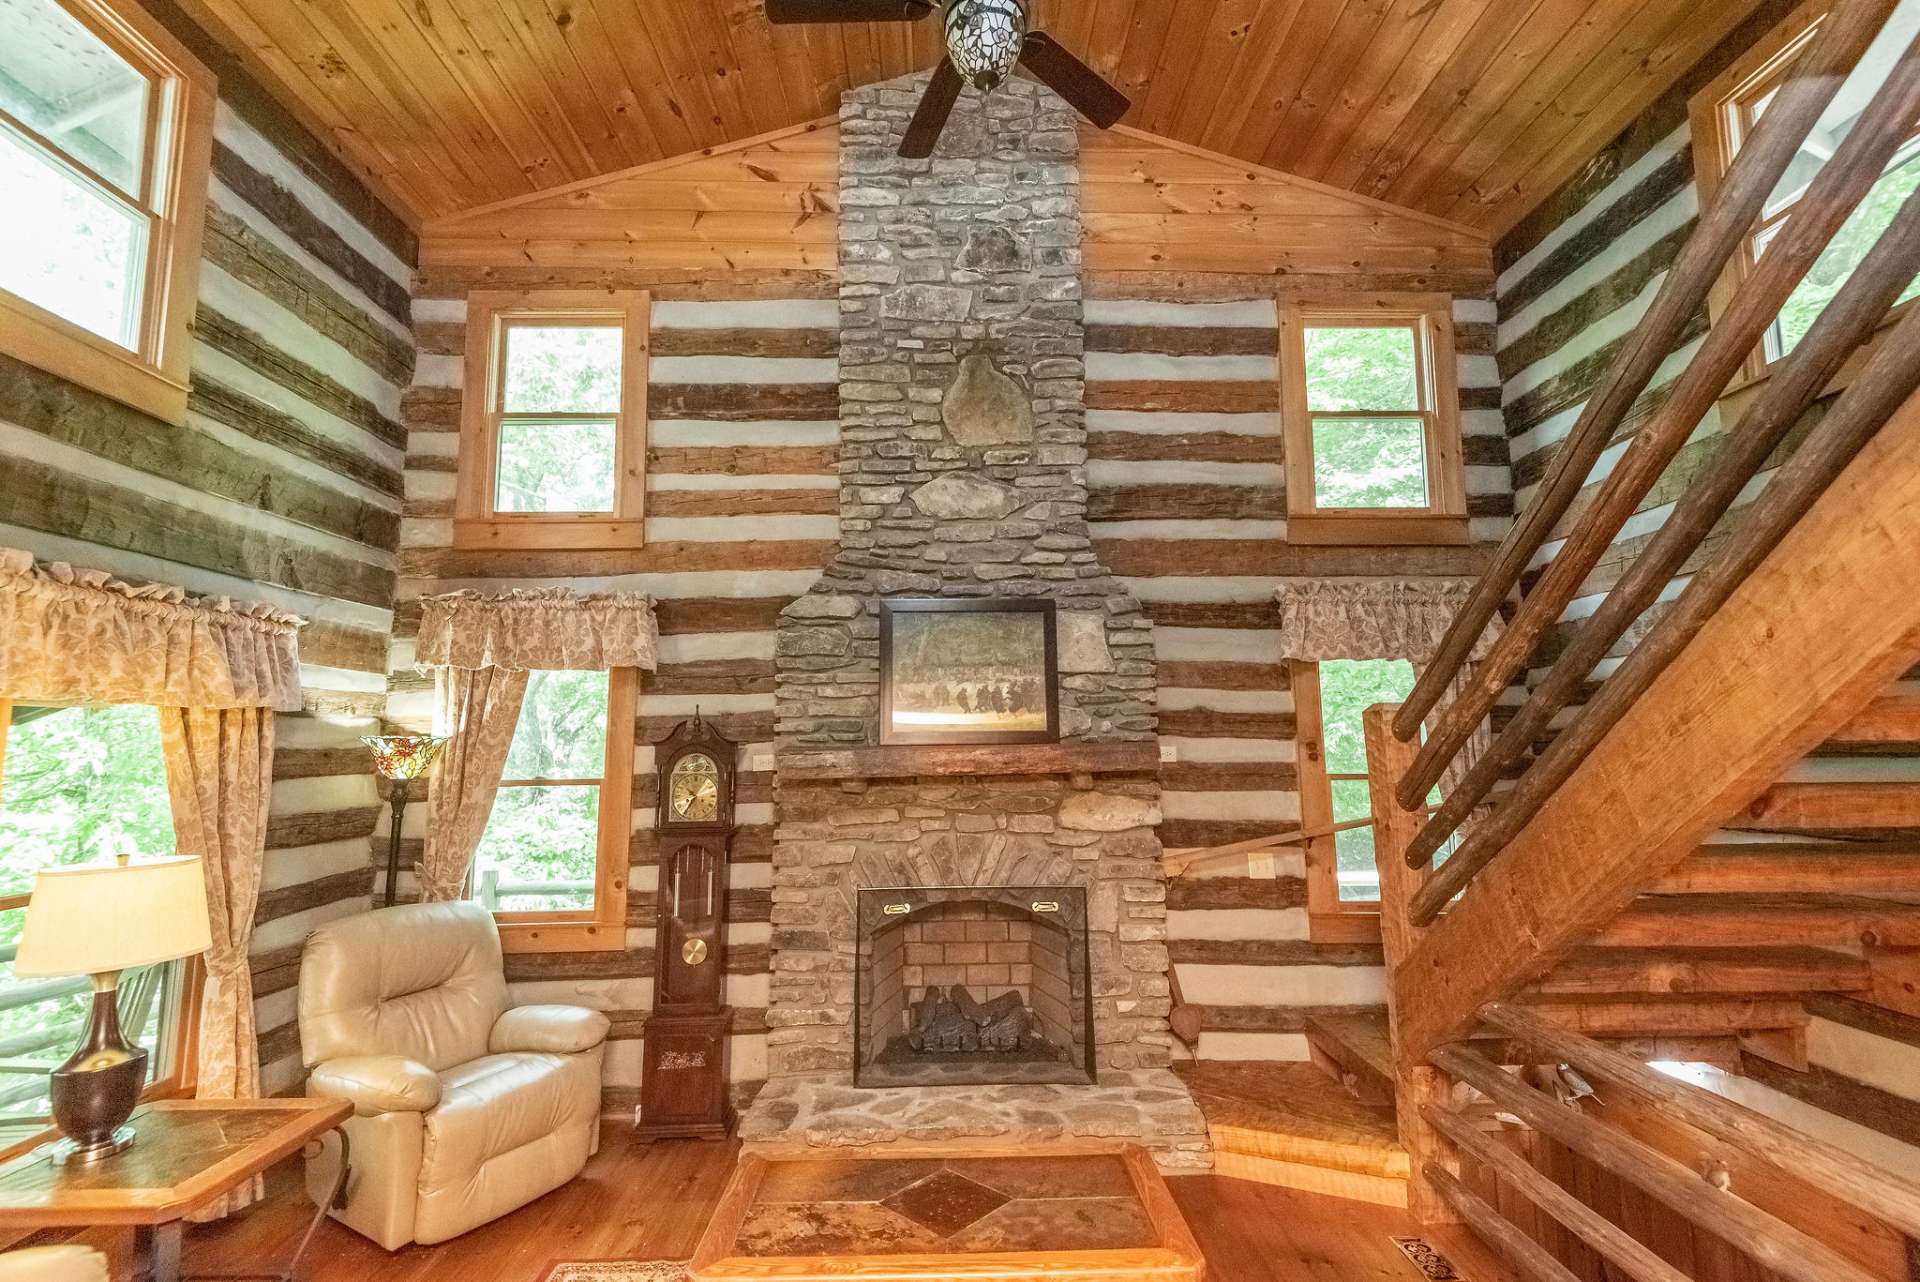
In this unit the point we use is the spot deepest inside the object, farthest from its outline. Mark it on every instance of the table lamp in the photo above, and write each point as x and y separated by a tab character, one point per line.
98	920
400	759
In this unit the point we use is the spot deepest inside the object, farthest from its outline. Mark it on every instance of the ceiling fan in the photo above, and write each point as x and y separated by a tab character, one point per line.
985	38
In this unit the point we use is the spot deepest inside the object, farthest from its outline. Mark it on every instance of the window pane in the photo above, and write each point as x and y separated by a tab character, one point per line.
67	248
81	784
562	731
1349	368
1844	111
540	850
1369	463
555	467
1359	876
1845	251
563	369
1348	687
68	85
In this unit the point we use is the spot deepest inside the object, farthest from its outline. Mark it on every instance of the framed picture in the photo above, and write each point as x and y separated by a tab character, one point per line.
968	671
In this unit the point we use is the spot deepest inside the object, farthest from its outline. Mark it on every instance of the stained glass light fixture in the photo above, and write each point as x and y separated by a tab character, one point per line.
984	38
400	759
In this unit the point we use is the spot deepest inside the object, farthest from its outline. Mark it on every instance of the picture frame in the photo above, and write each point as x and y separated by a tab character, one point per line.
959	670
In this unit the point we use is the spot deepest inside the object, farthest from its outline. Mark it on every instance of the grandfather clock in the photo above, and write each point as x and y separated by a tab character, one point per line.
683	1086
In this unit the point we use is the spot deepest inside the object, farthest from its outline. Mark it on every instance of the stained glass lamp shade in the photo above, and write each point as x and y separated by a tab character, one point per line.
984	38
400	759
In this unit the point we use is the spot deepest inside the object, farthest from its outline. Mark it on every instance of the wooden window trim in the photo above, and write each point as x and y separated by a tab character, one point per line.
605	929
475	523
1330	918
1444	520
1714	117
180	1083
155	377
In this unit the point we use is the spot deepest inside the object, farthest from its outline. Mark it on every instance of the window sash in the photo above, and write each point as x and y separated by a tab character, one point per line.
172	1068
491	315
602	926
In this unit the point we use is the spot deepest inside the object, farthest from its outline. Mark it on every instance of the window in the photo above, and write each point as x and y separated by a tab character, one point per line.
106	127
1725	114
1371	408
1328	698
78	785
552	863
553	448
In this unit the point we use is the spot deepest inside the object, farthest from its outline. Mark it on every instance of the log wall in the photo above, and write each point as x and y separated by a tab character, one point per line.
1574	277
284	485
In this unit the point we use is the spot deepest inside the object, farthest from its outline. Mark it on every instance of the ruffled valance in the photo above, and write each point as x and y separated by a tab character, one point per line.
72	636
537	628
1373	618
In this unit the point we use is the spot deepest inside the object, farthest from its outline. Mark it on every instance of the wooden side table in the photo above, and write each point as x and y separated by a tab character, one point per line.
189	1153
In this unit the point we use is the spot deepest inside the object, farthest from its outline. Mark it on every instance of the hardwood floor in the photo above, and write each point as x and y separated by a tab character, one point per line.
650	1202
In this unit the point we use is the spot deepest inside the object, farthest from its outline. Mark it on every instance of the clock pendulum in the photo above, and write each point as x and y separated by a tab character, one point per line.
683	1085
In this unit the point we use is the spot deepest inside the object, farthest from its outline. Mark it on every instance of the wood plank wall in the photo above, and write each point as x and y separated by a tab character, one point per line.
1186	255
1574	278
283	486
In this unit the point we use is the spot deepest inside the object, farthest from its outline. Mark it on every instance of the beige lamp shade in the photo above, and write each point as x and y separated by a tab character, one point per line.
91	918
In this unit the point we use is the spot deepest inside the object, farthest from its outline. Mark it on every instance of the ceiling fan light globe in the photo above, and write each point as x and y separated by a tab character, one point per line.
984	39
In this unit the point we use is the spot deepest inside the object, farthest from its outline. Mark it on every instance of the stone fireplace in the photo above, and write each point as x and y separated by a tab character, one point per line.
981	985
963	457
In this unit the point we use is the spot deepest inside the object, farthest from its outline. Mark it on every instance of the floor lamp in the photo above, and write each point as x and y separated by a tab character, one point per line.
400	759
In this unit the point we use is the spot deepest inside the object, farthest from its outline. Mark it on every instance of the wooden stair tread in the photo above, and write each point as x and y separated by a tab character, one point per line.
1846	868
1705	970
1294	1113
1757	920
1357	1051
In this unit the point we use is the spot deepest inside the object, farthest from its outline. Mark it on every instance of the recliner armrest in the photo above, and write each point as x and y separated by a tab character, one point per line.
554	1030
376	1084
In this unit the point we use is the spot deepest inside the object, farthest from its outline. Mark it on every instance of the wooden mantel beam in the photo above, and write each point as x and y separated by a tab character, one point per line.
1767	679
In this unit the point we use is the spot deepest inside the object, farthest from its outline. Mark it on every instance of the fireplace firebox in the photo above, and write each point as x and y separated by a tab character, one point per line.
973	985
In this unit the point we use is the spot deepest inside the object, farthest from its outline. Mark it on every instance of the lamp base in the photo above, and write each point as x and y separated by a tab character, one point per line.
95	1091
74	1153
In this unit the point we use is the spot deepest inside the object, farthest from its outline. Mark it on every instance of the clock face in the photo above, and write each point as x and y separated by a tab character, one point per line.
694	789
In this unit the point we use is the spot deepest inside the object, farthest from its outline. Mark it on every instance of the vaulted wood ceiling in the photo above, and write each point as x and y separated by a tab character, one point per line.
1469	109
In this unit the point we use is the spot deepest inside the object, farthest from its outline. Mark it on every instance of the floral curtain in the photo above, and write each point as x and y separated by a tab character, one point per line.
72	636
479	649
220	780
1384	619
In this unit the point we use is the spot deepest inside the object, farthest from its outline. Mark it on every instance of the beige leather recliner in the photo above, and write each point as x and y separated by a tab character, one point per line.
463	1109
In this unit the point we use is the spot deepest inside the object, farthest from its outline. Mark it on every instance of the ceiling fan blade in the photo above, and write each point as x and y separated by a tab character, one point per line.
930	118
1073	80
788	11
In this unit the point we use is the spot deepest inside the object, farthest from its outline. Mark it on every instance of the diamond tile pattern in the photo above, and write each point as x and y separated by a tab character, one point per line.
946	1202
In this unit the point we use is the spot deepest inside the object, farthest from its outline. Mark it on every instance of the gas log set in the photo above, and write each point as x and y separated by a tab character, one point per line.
954	1022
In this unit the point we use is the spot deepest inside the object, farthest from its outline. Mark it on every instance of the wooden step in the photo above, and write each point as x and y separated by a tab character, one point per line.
1706	970
1293	1126
1735	921
1886	811
1859	868
1672	1015
1887	727
1356	1051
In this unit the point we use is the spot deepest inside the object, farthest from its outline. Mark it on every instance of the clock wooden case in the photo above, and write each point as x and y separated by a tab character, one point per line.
683	1085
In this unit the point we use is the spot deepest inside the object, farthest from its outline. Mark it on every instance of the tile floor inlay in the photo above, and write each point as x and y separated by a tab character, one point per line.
835	1206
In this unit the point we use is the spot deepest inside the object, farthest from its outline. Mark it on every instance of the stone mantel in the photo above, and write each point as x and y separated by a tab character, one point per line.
982	760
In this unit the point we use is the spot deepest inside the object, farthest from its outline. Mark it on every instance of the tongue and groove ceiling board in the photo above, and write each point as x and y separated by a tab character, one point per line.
1468	109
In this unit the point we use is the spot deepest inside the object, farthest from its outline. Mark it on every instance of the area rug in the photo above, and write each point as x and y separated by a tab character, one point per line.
616	1271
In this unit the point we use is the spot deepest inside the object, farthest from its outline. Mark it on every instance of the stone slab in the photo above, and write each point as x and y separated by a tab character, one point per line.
1149	1107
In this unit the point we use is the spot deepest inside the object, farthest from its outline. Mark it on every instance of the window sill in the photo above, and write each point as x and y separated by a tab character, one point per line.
1746	387
1348	927
561	936
1378	529
548	533
45	341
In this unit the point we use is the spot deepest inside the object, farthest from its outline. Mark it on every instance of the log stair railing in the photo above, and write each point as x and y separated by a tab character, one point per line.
1592	875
